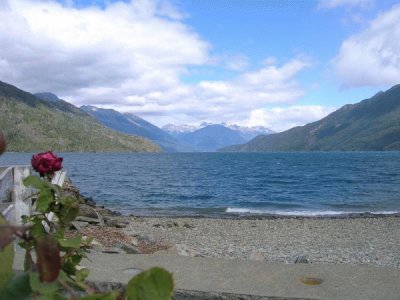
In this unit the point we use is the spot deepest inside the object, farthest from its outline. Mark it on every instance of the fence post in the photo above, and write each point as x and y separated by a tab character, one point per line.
22	201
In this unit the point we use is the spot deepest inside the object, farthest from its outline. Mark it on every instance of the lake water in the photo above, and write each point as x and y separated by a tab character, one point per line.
306	183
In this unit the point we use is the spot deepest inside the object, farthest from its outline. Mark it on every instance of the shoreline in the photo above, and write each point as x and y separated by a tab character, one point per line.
228	216
337	239
371	241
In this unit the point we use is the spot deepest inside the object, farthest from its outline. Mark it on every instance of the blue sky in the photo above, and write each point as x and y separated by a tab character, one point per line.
275	63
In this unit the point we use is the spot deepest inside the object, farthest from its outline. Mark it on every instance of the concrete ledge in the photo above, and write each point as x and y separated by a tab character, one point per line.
206	278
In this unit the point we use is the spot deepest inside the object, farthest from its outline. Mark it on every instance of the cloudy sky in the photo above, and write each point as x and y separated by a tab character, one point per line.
276	63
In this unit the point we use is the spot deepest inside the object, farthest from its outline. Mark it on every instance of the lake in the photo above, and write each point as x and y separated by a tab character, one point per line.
215	184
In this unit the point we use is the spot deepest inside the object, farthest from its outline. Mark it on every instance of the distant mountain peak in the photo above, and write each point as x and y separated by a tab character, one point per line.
173	129
89	108
185	128
210	136
46	96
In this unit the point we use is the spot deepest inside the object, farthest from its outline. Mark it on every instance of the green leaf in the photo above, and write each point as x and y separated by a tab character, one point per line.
17	288
6	254
48	258
153	284
36	182
69	210
82	274
42	288
108	296
46	197
74	242
37	230
69	264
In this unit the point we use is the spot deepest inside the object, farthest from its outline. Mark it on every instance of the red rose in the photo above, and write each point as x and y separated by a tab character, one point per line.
46	163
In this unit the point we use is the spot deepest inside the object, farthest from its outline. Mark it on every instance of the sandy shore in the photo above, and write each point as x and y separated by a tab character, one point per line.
373	241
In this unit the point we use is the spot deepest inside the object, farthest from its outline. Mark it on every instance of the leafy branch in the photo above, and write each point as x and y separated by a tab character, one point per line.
52	262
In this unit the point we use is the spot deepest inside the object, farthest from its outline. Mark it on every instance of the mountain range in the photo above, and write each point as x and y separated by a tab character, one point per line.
134	125
44	122
210	137
370	125
176	138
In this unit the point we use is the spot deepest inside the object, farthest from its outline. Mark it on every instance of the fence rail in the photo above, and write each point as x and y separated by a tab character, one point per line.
15	198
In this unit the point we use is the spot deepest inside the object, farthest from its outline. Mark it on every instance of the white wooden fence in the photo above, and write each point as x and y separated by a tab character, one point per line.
15	200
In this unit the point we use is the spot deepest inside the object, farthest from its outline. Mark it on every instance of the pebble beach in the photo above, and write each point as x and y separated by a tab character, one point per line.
372	241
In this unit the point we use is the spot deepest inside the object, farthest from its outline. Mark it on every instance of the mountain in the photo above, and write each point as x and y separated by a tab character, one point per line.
132	124
33	124
370	125
210	137
249	133
176	130
47	96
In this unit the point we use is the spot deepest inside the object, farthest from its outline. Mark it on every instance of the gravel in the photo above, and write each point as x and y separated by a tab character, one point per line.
372	241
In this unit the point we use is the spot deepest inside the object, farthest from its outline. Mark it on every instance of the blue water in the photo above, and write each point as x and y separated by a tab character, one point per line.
307	183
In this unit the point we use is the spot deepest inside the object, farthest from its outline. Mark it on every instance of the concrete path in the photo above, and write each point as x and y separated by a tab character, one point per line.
244	277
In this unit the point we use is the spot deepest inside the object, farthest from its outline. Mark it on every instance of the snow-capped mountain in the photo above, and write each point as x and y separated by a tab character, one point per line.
210	137
178	129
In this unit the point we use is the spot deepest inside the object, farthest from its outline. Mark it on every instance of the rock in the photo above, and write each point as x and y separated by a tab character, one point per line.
147	238
116	222
130	249
87	211
95	245
256	255
82	224
182	249
112	250
134	241
301	260
107	212
70	189
119	225
77	225
100	217
89	201
187	225
88	220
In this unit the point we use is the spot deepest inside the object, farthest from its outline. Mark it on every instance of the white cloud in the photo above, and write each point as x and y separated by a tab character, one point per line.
49	46
132	57
237	62
372	57
283	118
329	4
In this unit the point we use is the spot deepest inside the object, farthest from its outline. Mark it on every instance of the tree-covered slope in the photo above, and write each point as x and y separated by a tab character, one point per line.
370	125
33	124
134	125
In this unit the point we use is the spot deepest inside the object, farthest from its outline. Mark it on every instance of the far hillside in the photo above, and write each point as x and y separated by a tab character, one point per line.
33	124
134	125
370	125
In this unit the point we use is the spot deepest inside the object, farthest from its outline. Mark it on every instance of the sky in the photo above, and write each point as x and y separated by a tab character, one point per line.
272	63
